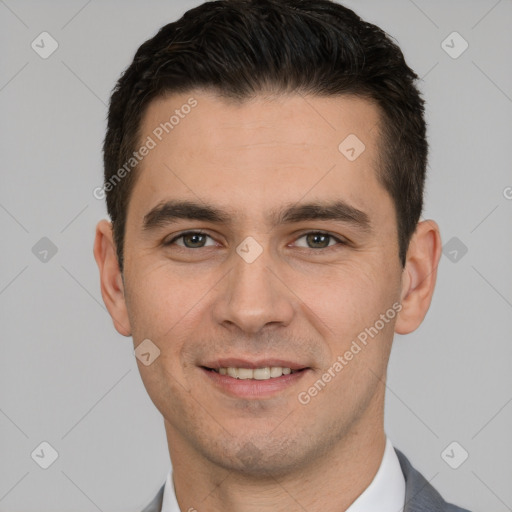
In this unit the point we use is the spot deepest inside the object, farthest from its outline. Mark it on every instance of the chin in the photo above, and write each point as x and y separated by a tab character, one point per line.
256	458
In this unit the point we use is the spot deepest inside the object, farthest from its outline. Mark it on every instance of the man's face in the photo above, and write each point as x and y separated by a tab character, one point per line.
257	289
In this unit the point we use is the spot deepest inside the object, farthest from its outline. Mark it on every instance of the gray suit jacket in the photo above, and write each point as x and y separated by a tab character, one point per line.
420	496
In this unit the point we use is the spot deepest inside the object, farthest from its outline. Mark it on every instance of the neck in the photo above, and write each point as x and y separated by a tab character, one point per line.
330	482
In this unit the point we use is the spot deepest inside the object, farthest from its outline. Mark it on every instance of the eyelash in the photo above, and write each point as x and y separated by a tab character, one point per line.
337	239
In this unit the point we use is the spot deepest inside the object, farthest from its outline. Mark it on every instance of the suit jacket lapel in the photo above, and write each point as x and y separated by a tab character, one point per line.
156	504
420	496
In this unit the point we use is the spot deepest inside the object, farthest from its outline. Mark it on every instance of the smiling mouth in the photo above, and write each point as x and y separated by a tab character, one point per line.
264	373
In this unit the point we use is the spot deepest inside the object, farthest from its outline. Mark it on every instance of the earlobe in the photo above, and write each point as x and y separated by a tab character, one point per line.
419	276
111	281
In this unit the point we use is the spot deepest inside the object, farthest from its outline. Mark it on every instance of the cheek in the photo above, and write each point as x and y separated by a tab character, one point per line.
167	306
350	304
351	298
357	318
157	299
161	308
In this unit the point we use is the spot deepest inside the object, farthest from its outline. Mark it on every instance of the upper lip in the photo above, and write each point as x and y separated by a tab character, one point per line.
253	363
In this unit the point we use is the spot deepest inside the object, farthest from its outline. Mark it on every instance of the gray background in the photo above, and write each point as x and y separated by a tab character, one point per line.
69	379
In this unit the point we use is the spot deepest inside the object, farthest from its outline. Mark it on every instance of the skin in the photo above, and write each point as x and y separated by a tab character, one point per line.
297	301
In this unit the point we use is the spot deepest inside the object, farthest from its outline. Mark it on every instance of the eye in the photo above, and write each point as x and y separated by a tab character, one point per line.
190	240
320	240
313	240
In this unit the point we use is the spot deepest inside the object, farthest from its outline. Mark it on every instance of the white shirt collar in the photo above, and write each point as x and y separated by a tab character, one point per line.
386	493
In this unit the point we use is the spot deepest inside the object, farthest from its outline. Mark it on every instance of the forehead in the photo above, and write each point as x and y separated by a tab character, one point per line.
287	118
260	152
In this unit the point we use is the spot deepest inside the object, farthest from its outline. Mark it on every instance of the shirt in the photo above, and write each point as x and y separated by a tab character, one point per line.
386	492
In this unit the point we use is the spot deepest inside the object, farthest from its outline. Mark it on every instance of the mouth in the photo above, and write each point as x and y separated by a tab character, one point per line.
262	373
253	380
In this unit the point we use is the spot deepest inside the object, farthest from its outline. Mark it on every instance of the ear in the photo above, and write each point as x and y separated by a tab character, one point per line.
419	276
112	288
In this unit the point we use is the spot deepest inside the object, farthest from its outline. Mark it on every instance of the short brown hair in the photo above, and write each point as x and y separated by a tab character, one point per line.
239	48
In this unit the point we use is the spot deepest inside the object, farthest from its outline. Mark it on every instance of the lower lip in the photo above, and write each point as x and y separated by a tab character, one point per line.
252	388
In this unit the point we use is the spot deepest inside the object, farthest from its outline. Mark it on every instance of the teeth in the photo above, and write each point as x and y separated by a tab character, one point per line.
245	373
268	372
261	373
276	371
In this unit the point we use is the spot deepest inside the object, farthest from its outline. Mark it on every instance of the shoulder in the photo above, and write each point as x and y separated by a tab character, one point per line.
420	496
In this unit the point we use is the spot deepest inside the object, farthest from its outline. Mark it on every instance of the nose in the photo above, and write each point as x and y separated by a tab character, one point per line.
253	296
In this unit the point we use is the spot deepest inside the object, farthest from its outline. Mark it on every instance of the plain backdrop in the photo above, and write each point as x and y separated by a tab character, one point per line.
68	379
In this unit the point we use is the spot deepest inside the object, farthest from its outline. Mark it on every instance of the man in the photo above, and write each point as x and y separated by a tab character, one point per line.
264	171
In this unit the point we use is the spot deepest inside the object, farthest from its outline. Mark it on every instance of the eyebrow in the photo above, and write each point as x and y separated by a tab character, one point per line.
171	211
